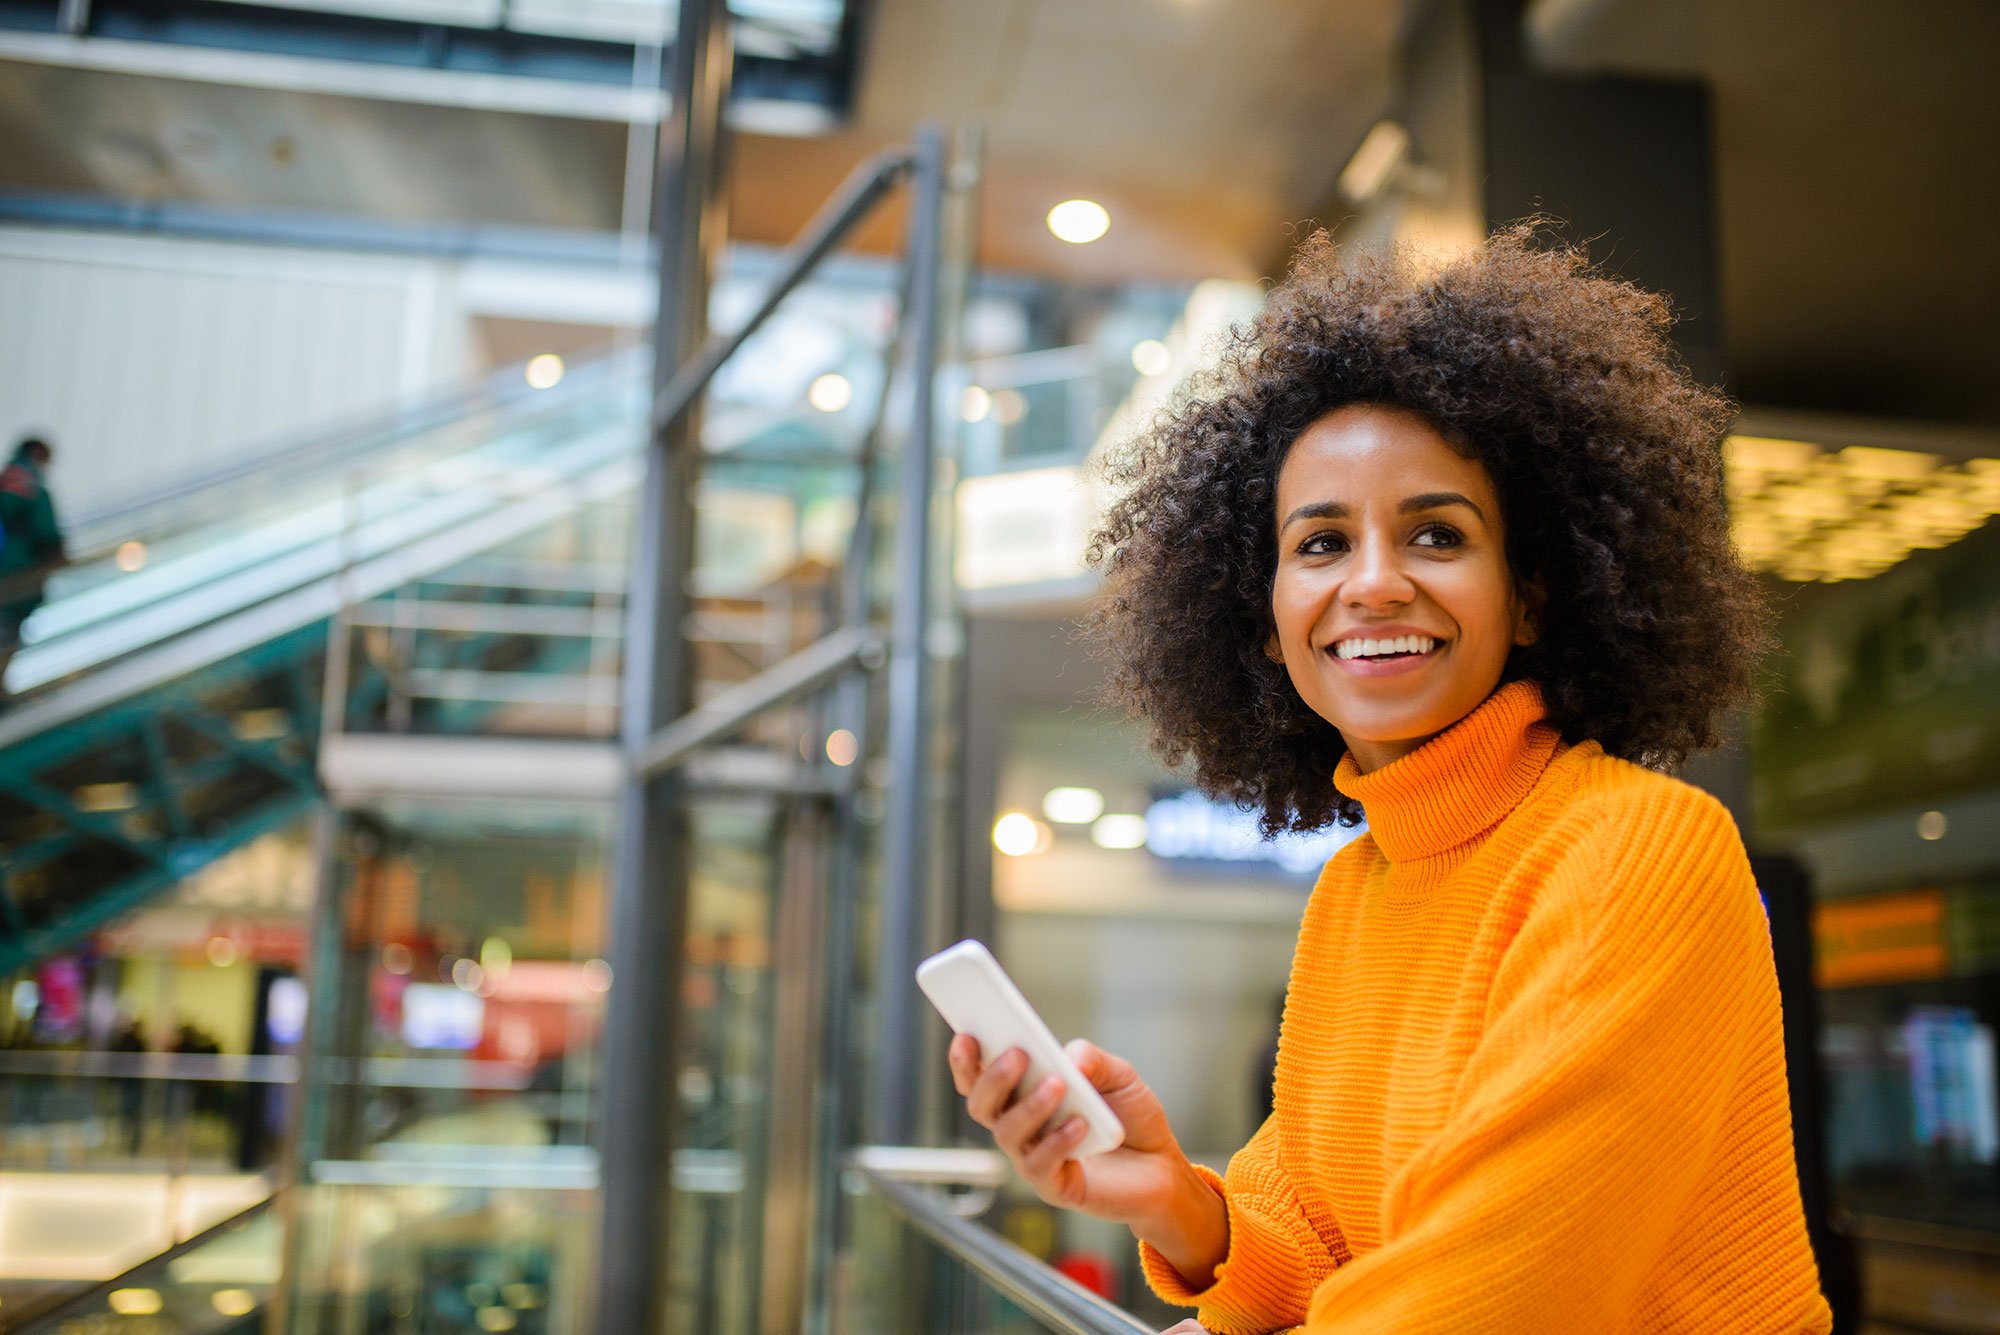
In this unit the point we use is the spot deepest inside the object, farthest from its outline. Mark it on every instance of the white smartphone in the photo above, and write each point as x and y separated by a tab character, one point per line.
976	997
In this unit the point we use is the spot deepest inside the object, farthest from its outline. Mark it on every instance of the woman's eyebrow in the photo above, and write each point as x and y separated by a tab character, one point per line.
1315	510
1429	500
1433	500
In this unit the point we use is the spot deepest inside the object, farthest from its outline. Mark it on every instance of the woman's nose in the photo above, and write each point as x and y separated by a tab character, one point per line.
1376	574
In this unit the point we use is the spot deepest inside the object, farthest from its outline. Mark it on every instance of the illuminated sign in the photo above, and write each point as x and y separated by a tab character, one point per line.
1192	828
1895	938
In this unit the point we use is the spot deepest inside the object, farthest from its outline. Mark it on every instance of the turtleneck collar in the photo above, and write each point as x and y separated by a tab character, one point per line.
1461	782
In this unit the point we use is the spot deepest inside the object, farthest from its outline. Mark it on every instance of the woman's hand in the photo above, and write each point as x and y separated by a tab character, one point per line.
1141	1180
1187	1327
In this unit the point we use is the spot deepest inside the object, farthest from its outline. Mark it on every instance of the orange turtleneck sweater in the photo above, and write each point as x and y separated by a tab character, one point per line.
1531	1075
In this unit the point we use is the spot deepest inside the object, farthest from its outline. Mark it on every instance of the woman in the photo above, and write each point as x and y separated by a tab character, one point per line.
1448	548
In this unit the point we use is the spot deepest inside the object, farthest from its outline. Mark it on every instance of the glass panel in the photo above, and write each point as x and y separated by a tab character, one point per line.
893	1277
460	1056
219	1284
242	542
454	1254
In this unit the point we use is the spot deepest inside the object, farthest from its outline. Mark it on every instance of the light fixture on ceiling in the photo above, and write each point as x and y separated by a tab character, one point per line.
544	371
1383	149
1079	221
1017	834
830	393
1119	829
1073	806
1810	514
1150	357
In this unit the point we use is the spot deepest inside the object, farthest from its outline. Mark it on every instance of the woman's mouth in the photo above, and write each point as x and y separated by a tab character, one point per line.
1387	657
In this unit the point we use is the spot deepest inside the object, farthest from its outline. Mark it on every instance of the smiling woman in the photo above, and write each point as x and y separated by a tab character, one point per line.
1447	548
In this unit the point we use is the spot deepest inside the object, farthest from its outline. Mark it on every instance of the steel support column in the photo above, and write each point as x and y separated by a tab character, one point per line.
649	877
906	832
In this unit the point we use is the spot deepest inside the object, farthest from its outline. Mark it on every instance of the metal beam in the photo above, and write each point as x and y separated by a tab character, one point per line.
783	682
857	197
649	896
906	834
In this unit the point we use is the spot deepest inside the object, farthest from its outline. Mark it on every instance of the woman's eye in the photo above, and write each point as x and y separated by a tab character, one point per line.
1447	537
1319	544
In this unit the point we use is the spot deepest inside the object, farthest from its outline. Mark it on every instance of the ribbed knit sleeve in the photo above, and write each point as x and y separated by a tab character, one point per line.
1616	1032
1275	1258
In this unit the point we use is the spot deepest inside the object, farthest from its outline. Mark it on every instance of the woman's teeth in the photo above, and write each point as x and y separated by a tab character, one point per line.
1402	644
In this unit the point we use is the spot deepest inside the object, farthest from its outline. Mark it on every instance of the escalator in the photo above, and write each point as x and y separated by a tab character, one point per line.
168	697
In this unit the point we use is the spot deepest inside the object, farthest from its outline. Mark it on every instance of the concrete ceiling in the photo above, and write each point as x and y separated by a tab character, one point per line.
1856	184
1202	133
1854	159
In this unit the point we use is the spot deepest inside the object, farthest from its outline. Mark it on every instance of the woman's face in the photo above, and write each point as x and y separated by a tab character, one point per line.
1386	531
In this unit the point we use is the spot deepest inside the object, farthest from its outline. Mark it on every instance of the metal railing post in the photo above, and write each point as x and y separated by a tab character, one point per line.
650	886
906	841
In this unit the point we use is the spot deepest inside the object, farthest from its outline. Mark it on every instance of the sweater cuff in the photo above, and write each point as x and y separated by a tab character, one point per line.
1262	1271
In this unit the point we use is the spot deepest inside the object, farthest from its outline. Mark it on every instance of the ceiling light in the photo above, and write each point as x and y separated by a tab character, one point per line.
1382	150
1769	454
830	393
1017	834
842	747
1079	221
1867	461
1008	406
233	1302
544	371
1073	806
1120	829
1930	825
134	1302
974	403
131	556
1150	357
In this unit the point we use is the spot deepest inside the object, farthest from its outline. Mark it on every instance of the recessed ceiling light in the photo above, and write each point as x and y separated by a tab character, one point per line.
1079	221
1150	357
1120	829
543	372
830	393
1073	806
1017	834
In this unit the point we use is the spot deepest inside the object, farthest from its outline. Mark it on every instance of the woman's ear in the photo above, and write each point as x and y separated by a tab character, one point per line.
1273	650
1529	600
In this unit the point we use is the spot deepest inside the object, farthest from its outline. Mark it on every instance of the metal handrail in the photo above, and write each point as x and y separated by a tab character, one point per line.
857	196
344	443
60	1316
1040	1290
789	679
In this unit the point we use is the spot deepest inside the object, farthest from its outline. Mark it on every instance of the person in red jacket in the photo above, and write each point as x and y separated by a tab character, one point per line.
1444	546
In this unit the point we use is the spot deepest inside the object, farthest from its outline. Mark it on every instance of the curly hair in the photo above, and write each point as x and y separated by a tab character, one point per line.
1606	455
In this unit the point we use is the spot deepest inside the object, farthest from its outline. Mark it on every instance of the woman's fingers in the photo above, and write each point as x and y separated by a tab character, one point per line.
994	1087
1021	1124
1187	1327
1045	1157
963	1058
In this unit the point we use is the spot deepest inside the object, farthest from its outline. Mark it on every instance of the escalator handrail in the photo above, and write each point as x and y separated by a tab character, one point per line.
99	530
1039	1289
50	1320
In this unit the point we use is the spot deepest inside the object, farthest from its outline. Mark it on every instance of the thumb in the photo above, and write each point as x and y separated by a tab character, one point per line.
1099	1067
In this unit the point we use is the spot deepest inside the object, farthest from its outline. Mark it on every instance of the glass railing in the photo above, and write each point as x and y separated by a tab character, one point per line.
917	1257
217	1280
148	573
